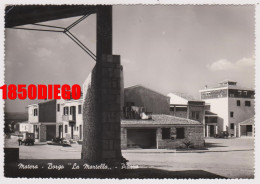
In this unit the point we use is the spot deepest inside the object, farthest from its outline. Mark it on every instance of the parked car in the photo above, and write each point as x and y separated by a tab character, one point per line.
26	138
55	141
66	143
59	141
222	134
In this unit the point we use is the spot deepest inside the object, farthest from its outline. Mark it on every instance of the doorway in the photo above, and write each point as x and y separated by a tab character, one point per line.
211	130
141	138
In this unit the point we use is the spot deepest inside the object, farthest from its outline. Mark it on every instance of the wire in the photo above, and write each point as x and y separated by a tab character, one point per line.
36	29
82	46
66	32
48	26
76	22
81	43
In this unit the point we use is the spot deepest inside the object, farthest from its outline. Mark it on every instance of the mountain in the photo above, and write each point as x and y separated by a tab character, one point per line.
21	116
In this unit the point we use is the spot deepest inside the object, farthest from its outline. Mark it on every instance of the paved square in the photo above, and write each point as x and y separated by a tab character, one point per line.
232	158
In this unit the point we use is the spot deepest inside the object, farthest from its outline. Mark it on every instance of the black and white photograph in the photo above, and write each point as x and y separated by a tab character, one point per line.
129	91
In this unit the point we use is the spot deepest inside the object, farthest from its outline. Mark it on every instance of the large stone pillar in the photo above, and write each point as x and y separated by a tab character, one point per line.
104	31
102	113
102	102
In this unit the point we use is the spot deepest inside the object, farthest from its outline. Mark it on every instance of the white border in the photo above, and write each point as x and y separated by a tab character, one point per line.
165	2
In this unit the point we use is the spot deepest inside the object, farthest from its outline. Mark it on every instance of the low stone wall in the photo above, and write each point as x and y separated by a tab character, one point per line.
193	134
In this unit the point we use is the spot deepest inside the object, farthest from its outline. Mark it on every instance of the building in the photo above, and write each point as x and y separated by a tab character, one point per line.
147	122
211	122
43	118
69	112
246	128
22	127
56	118
232	104
141	96
161	132
185	106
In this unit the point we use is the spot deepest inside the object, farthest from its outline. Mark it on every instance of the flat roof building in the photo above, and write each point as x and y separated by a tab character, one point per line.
232	103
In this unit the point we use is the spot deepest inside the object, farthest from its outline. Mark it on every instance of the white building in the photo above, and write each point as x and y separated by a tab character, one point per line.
56	118
24	127
232	104
185	106
69	112
33	113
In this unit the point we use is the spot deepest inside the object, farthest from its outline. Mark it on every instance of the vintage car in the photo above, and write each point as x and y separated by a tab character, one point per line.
222	134
26	138
59	142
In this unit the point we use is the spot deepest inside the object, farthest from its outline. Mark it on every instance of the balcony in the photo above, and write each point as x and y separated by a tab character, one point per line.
69	117
65	118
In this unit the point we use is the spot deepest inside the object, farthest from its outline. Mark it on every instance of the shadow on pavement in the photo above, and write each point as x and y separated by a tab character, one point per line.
213	145
222	151
34	145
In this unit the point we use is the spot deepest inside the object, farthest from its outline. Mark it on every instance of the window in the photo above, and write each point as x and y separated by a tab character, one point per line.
58	107
35	112
245	92
247	103
239	93
232	126
207	93
65	110
249	128
66	128
79	109
166	133
238	102
77	128
231	114
195	115
180	133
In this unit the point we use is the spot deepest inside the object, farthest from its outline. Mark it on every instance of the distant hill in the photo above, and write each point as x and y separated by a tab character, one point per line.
16	116
12	118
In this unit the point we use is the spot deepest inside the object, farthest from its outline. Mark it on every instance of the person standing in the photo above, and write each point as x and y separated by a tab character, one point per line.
19	140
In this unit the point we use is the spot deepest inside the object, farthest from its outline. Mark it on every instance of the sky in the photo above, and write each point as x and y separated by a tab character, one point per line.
174	48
